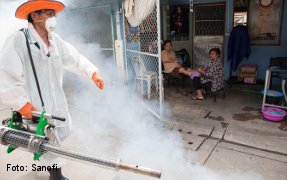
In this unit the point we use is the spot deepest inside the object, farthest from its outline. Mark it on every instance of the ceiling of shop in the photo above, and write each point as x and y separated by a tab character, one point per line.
241	5
175	2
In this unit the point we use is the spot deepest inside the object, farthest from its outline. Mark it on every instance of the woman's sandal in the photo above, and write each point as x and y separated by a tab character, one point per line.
197	98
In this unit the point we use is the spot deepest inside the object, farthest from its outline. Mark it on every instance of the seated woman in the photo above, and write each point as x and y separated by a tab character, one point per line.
212	76
171	63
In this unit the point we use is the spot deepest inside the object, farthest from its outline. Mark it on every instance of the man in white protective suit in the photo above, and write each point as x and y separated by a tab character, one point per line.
41	88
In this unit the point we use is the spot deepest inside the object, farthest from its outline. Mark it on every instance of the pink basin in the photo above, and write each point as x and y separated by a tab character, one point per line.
273	114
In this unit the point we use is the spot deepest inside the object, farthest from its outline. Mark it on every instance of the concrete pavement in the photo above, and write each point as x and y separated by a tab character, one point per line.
201	140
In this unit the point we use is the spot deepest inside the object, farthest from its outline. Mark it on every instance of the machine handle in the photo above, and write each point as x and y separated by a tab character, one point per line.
47	115
59	118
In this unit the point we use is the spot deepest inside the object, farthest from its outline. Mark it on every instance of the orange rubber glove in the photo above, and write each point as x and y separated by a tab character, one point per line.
98	81
26	110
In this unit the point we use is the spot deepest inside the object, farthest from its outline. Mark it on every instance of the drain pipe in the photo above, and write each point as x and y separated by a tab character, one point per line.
119	46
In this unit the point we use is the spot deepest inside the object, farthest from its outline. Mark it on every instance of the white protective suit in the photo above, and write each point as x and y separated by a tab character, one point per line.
18	85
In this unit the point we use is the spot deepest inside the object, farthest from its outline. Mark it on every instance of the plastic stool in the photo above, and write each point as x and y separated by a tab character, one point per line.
283	88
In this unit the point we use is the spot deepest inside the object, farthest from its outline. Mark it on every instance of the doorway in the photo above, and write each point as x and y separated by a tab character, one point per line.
208	31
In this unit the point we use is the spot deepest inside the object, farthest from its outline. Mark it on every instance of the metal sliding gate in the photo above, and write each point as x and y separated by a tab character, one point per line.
143	61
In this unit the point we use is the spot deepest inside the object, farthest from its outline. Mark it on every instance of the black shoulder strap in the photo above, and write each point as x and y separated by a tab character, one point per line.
33	68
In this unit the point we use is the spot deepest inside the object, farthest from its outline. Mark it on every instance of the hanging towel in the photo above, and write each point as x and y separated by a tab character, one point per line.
138	10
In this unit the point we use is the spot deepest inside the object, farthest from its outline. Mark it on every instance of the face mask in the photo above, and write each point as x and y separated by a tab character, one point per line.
51	24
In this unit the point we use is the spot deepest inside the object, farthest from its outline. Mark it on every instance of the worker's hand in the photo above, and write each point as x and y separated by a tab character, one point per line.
27	109
98	81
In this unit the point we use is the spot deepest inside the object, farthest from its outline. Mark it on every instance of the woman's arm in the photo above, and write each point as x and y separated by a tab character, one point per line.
166	58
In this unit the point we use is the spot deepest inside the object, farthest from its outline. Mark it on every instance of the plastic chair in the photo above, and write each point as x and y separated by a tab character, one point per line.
277	62
143	75
283	85
183	57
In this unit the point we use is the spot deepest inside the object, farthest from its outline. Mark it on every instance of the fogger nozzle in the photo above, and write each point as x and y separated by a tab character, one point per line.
36	144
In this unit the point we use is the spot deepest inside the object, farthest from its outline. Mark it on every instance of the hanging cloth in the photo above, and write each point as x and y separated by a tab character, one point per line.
238	46
137	10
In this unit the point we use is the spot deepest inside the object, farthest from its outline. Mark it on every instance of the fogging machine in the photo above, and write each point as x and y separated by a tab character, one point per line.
32	135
